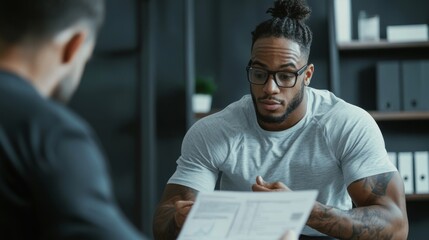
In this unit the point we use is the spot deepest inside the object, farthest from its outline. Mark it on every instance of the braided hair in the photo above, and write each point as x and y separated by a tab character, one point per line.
288	21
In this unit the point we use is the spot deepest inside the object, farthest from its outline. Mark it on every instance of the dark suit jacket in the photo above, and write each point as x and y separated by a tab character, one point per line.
54	182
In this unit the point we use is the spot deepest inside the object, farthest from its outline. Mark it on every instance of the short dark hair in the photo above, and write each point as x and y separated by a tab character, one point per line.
38	19
288	21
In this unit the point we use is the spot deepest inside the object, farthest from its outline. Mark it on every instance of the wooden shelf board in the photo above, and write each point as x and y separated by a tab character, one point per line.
382	44
417	197
399	116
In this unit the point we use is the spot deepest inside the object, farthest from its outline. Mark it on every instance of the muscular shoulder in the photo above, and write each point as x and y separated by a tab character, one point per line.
334	113
348	128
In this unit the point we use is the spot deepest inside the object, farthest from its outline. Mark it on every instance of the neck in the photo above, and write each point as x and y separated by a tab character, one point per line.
25	62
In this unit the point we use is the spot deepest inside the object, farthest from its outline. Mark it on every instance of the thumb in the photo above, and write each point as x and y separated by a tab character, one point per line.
260	181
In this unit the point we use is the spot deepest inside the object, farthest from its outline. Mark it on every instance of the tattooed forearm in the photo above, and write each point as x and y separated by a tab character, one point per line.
369	223
362	223
164	224
376	216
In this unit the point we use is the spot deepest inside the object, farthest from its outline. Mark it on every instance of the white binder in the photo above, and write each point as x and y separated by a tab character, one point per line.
421	161
392	158
405	167
343	20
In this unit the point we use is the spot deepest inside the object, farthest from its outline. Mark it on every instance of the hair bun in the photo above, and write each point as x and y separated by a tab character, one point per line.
294	9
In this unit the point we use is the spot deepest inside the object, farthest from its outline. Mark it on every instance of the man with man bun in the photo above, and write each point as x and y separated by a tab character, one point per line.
54	182
288	136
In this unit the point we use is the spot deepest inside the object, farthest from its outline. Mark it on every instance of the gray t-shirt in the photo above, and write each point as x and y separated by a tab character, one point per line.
335	144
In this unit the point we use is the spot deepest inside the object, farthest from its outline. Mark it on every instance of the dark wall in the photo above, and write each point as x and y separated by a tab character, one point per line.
171	85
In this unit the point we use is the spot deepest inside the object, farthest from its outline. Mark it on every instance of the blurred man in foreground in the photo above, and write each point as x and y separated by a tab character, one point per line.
54	182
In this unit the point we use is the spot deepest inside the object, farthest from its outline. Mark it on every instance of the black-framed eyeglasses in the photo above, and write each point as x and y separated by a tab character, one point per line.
283	79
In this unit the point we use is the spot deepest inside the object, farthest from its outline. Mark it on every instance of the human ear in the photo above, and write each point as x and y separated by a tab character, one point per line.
308	74
72	46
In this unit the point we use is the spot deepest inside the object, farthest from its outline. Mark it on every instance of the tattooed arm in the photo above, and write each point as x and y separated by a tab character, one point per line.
380	211
172	211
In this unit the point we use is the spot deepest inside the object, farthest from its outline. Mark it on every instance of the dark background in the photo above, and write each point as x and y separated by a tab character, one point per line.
135	91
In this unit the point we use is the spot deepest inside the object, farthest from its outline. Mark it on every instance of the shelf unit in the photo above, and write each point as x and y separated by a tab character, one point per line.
371	48
399	116
352	65
418	197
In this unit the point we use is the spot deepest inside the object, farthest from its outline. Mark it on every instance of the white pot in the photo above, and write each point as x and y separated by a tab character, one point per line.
201	103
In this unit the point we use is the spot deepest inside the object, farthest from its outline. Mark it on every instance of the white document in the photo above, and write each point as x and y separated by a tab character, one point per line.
421	161
405	163
247	215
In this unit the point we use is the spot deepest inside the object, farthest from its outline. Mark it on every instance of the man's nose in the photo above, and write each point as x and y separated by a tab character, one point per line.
270	86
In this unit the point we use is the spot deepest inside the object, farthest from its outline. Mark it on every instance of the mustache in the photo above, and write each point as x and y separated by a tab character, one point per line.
270	98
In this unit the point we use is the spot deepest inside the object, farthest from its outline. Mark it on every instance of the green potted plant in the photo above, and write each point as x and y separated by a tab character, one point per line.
204	89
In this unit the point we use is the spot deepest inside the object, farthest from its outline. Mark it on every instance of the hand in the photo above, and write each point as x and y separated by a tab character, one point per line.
289	235
182	211
262	186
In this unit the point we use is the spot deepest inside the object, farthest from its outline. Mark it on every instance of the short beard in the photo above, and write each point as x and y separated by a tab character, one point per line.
296	101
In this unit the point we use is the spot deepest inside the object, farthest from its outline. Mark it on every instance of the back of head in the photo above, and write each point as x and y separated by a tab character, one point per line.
288	21
35	20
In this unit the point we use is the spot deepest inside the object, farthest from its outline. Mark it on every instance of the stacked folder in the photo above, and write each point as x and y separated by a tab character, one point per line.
414	169
403	85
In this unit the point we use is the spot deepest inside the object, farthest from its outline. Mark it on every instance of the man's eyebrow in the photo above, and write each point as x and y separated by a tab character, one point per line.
288	65
259	63
256	62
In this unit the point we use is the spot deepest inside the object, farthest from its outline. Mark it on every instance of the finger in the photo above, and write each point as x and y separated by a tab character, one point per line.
260	180
182	204
259	188
279	186
183	207
182	212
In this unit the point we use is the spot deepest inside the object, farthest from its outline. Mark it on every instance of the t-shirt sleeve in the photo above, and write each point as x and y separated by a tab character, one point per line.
201	152
360	146
72	190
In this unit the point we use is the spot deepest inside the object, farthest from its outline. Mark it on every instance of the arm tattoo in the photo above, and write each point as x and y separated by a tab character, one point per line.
378	183
164	226
367	222
362	223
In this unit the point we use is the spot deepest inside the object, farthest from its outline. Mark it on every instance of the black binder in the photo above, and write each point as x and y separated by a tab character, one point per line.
415	85
388	86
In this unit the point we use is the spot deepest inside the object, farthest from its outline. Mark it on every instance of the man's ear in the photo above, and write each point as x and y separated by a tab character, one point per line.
308	74
72	46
